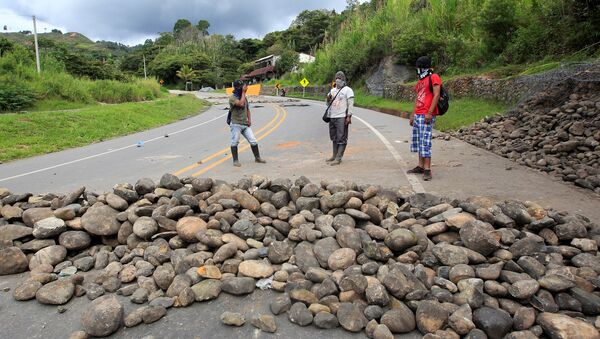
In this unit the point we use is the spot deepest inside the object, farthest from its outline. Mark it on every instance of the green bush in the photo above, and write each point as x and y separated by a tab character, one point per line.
15	97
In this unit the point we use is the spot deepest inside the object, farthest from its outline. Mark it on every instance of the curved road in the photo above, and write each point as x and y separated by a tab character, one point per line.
295	142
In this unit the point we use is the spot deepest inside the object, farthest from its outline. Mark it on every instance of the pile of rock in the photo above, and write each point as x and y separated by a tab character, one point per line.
363	258
557	131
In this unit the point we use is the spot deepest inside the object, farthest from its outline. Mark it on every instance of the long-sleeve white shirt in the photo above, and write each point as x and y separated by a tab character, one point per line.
343	102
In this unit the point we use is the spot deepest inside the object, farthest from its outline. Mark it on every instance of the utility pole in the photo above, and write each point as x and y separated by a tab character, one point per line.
37	50
144	57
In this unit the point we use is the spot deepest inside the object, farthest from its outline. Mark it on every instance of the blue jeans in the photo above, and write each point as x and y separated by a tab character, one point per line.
246	131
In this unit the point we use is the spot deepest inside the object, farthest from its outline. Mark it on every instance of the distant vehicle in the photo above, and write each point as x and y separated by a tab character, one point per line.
206	89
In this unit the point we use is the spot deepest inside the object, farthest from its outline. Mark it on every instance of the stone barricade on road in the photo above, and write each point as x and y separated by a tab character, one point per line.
337	254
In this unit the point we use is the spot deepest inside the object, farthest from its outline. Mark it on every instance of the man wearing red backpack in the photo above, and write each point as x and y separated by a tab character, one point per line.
422	119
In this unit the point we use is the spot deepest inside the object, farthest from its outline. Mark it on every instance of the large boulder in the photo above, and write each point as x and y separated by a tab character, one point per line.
12	261
103	317
101	220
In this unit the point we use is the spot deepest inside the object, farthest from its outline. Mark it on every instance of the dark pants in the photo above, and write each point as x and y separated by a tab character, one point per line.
338	131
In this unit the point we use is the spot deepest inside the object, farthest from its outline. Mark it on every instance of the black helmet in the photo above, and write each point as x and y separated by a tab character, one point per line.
424	62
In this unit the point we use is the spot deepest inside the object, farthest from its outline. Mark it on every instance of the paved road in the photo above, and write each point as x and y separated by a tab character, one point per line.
294	141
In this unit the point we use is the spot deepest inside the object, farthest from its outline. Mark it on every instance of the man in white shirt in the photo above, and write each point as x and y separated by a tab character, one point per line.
341	101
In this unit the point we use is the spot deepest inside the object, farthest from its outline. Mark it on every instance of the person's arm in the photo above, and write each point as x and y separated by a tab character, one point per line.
242	101
350	107
434	102
249	117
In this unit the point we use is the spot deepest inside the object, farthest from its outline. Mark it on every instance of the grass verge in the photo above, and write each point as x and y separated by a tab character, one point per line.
463	112
27	134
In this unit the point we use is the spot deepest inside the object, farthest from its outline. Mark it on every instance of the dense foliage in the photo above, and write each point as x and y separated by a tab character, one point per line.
459	34
21	87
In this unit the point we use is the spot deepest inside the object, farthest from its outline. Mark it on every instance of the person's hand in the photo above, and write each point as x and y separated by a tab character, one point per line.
428	118
245	89
411	121
348	120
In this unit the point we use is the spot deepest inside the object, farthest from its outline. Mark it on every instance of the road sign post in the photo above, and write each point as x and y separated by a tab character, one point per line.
304	82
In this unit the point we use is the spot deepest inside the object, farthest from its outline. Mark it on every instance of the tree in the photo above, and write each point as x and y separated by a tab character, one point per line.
56	31
165	39
5	46
186	73
287	61
498	21
203	26
180	25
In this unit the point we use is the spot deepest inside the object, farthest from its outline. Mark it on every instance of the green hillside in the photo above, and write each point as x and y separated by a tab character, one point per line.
460	35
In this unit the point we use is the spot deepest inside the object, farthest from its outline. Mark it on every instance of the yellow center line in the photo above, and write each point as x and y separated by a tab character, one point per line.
225	150
217	163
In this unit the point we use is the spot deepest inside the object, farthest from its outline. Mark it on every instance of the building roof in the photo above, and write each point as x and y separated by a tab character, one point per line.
264	59
260	71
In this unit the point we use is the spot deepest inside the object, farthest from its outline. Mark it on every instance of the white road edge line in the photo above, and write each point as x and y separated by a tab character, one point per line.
109	152
412	180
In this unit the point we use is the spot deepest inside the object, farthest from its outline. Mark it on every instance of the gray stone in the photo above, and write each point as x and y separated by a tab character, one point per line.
300	315
12	261
101	220
494	322
49	228
103	317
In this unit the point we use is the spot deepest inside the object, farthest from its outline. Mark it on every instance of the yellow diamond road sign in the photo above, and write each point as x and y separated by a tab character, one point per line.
304	82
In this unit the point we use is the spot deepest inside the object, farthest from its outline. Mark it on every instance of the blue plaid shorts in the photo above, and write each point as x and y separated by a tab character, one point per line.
421	136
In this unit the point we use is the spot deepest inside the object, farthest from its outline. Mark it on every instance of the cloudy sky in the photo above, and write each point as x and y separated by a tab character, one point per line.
132	21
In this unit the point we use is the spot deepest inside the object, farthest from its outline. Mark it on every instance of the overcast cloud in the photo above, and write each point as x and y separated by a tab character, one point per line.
132	21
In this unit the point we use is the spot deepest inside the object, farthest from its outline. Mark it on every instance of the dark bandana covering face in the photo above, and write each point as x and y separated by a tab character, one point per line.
237	91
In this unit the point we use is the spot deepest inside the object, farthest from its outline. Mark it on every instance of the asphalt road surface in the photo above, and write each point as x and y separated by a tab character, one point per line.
295	142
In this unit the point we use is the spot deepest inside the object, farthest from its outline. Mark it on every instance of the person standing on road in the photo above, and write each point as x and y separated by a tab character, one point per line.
240	122
341	104
423	117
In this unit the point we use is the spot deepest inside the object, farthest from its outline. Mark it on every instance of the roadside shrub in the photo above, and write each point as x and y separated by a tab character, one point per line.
15	97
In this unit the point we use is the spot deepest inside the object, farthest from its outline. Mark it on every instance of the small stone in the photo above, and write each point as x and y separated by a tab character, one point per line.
494	322
207	289
300	315
103	317
56	293
431	316
12	261
48	228
341	259
232	319
27	290
563	326
281	304
238	285
265	323
400	319
153	313
255	269
351	317
382	332
325	320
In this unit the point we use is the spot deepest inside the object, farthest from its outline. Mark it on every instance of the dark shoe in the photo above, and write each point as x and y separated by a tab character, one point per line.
427	175
416	170
339	155
335	149
257	157
234	155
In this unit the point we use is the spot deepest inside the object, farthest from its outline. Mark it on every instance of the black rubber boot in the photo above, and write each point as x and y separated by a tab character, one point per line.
335	149
257	157
339	155
234	155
